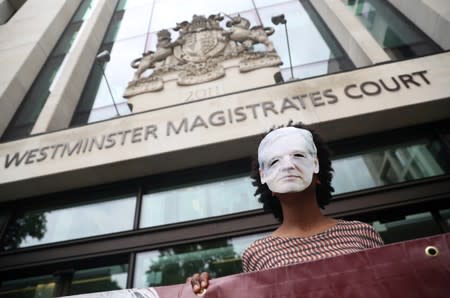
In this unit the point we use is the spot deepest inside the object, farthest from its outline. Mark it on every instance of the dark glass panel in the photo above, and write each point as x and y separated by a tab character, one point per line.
97	100
408	227
67	40
34	287
196	201
173	265
99	279
388	165
314	50
396	34
84	11
445	214
75	221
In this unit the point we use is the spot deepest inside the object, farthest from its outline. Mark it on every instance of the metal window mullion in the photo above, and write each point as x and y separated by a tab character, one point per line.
131	270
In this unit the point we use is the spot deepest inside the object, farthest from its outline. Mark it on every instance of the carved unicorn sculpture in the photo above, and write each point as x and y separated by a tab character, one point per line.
240	31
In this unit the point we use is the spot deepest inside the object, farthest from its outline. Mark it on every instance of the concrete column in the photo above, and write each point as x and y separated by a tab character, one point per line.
60	105
357	42
6	11
430	16
25	43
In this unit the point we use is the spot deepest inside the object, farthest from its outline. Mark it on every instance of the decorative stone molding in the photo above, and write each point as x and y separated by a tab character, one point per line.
197	55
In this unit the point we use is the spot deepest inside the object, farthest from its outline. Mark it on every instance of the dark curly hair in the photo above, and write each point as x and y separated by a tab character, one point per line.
323	190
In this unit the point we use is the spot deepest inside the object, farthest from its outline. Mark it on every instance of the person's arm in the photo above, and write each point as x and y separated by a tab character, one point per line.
200	281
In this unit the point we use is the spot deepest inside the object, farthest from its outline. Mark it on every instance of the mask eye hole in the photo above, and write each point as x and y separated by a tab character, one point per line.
273	162
299	155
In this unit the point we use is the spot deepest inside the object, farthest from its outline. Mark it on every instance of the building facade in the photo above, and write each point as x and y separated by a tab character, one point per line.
103	190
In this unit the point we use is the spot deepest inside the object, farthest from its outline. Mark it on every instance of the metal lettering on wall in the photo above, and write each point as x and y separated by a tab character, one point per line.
185	125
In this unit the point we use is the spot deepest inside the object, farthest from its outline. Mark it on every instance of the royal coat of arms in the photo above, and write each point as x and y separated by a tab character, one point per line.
198	53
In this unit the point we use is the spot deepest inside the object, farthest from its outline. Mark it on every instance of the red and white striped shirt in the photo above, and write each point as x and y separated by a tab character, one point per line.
343	238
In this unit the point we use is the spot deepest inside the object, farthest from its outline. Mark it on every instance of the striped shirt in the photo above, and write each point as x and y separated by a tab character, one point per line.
343	238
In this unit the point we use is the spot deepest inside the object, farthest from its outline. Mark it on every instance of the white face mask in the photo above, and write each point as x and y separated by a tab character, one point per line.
288	160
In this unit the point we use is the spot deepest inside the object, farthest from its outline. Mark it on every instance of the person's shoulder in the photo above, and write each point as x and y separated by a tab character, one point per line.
353	224
257	244
253	253
362	230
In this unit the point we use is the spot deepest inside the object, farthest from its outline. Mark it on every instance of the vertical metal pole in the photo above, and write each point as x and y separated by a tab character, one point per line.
131	270
110	92
289	50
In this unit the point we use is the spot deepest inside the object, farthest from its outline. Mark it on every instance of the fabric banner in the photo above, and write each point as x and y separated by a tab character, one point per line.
417	268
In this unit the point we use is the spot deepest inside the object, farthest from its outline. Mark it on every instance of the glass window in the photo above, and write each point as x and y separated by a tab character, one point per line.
445	214
108	278
84	11
174	265
314	50
67	40
394	33
409	227
262	3
4	216
446	138
102	96
41	286
398	163
133	29
198	201
167	13
102	279
125	4
71	222
132	22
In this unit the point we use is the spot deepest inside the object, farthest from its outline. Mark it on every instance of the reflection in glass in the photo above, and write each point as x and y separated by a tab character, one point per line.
173	265
399	163
97	102
4	217
409	227
130	23
392	30
262	3
314	50
67	40
125	4
99	279
445	214
72	222
167	13
40	286
198	201
133	29
446	138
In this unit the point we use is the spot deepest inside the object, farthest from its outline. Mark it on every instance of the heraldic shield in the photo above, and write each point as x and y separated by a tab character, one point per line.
200	46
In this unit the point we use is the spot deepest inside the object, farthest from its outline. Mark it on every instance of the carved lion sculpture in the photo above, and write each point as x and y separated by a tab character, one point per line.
164	49
240	32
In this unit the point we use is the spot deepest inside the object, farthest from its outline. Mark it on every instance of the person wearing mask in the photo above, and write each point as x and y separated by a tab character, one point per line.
293	176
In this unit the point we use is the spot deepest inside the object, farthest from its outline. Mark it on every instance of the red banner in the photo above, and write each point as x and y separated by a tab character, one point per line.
417	268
